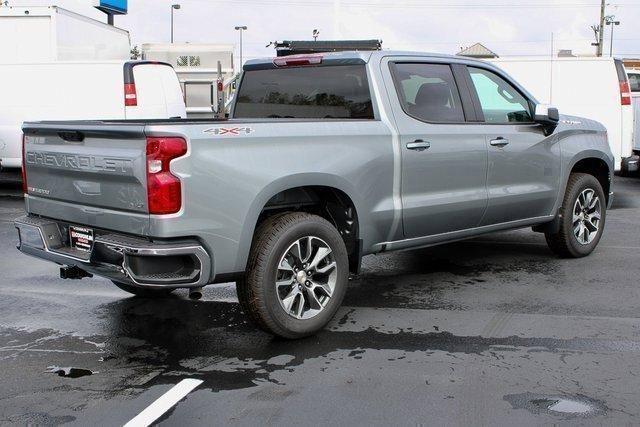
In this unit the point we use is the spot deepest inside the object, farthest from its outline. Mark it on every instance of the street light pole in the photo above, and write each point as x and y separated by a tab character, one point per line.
610	21
241	29
173	7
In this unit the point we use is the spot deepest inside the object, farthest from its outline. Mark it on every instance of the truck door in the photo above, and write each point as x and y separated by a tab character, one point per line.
444	154
524	165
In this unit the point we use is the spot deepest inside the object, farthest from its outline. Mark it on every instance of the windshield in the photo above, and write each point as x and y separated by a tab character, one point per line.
340	92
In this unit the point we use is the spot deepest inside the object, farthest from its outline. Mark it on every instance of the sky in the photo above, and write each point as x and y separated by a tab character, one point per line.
517	27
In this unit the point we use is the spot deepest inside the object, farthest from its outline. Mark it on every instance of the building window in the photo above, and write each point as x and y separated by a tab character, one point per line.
188	61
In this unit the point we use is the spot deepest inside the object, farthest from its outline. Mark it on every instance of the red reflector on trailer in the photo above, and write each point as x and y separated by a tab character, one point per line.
130	95
297	60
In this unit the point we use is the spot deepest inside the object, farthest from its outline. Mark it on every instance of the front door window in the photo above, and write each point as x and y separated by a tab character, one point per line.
500	101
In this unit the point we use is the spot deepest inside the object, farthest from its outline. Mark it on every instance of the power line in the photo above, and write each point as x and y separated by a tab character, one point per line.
488	41
421	5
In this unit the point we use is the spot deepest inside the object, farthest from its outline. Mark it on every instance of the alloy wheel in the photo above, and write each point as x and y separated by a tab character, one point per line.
586	216
306	277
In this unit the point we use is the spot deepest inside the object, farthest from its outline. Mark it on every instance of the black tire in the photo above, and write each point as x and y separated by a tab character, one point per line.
565	243
143	292
257	292
625	167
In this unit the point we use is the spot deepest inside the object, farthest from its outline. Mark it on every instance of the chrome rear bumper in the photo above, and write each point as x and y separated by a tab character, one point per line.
131	260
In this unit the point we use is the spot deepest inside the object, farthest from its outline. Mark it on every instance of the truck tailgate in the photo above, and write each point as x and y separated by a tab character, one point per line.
88	173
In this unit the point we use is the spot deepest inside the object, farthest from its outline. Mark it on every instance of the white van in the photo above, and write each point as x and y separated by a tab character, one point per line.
82	90
593	87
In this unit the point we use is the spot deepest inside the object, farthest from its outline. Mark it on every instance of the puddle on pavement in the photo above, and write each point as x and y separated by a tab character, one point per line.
69	372
571	406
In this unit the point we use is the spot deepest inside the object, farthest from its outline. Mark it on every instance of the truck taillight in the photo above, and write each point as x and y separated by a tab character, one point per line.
164	190
625	93
25	188
130	95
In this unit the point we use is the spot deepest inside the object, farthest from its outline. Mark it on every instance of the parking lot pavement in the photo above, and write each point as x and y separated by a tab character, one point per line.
494	330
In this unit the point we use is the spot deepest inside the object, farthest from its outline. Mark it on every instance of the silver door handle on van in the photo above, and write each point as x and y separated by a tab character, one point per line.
418	145
499	142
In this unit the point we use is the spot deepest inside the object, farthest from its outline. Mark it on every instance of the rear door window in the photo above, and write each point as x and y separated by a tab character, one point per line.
499	100
331	92
428	92
634	82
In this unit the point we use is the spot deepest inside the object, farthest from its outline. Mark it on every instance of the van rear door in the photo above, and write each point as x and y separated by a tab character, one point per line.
153	91
627	110
88	173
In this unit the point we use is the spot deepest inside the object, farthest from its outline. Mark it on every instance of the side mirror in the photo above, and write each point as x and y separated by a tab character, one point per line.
548	117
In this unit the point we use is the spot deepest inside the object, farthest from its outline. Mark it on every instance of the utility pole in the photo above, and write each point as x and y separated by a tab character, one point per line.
603	6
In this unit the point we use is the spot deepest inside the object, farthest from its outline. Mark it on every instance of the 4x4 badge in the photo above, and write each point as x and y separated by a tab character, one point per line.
229	131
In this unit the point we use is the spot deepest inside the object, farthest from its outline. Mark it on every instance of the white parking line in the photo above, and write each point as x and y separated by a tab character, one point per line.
164	403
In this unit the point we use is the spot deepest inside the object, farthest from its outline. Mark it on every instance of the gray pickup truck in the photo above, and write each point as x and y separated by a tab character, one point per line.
324	159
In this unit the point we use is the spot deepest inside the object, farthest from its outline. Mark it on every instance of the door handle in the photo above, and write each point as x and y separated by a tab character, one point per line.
499	142
418	145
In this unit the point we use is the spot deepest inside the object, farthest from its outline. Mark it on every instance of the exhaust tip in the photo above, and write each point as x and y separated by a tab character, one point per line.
195	293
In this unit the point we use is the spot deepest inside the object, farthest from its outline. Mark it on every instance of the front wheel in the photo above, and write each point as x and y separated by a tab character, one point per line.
582	218
296	276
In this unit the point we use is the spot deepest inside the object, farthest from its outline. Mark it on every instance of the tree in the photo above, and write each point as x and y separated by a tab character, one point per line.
135	53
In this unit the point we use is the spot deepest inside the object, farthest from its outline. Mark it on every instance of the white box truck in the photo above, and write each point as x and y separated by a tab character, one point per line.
82	90
40	34
592	87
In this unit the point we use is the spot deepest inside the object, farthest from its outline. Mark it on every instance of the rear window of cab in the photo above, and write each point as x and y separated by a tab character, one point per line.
329	92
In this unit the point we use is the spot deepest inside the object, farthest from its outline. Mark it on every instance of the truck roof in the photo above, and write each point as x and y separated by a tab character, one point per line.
358	57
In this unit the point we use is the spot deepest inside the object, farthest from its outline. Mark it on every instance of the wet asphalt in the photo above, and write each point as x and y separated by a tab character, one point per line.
490	331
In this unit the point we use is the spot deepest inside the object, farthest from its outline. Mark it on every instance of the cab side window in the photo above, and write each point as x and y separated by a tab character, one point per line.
499	100
428	92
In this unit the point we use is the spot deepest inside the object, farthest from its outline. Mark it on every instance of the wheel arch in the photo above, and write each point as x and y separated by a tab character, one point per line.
296	193
593	164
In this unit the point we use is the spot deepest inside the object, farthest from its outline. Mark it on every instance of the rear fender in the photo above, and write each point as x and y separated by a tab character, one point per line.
286	183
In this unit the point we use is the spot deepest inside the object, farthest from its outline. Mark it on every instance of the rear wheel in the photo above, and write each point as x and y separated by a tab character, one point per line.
143	292
582	218
296	277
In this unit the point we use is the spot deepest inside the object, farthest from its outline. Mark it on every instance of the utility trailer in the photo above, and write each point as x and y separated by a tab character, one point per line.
206	73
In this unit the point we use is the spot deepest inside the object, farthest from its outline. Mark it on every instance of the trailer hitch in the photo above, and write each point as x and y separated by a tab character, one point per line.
73	273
